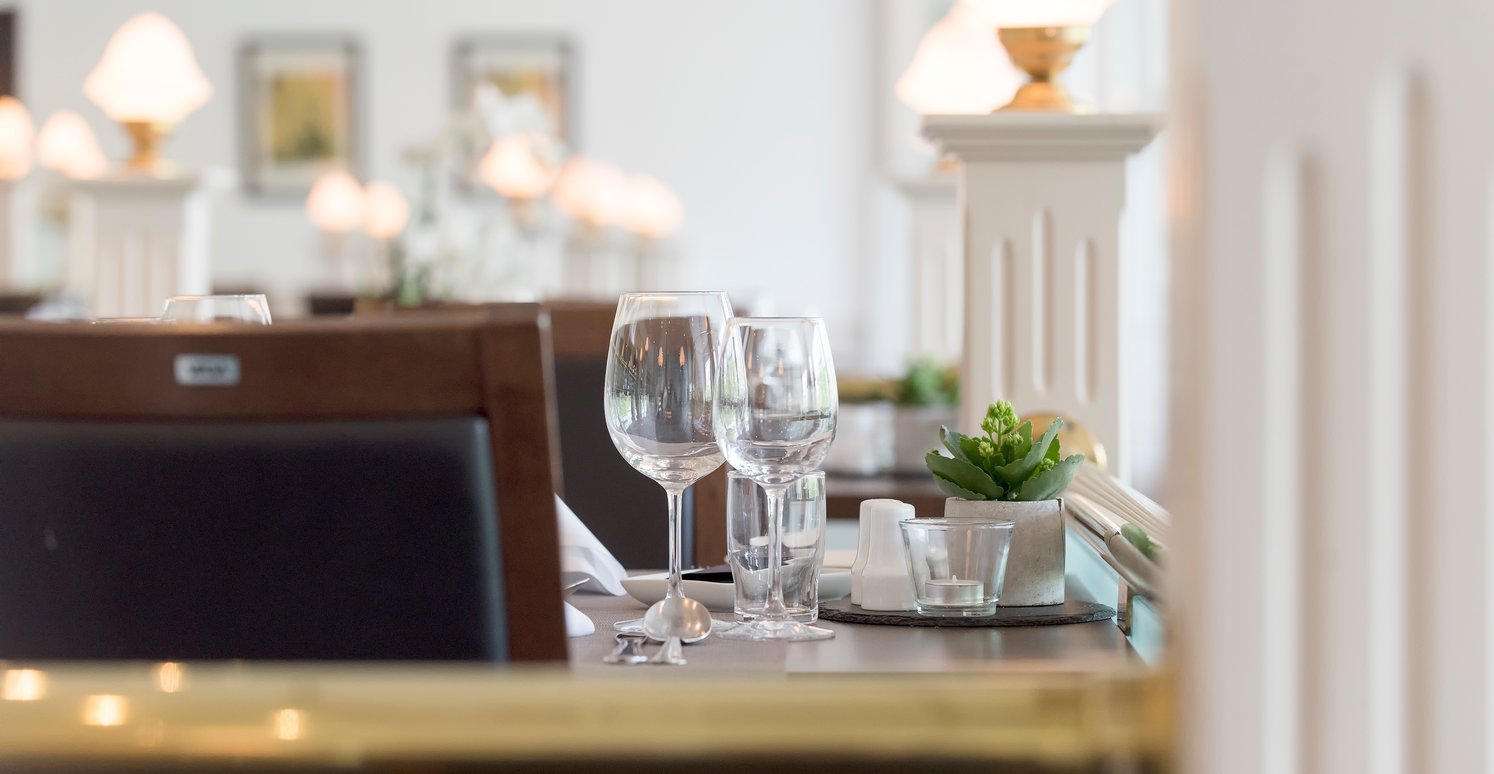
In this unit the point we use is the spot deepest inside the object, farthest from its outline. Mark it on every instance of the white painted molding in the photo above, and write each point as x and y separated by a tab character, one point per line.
1041	197
134	241
937	293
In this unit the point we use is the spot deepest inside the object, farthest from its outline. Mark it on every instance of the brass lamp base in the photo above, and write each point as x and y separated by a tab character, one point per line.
147	137
1043	53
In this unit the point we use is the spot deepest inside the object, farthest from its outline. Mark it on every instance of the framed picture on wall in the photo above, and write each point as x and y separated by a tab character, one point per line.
537	66
299	111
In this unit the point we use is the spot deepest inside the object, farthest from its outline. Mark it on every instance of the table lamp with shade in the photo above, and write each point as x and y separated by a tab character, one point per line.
17	133
336	205
386	212
652	213
511	168
1042	36
594	195
68	146
148	80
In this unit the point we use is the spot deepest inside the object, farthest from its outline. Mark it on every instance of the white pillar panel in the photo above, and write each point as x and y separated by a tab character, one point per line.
134	241
1041	197
937	292
1334	345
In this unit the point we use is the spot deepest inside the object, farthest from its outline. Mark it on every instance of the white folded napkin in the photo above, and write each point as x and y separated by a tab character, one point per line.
576	622
583	557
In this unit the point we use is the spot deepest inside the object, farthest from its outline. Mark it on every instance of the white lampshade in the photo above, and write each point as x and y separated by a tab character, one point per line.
1041	13
593	192
959	67
335	203
511	168
148	74
66	144
16	134
650	208
385	210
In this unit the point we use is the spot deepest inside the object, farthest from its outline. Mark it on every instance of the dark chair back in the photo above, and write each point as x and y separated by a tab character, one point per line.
371	489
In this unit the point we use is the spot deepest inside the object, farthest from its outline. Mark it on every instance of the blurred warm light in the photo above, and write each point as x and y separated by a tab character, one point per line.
16	134
104	710
148	74
287	723
24	685
511	168
169	677
67	145
1040	13
650	208
592	192
959	67
335	203
385	210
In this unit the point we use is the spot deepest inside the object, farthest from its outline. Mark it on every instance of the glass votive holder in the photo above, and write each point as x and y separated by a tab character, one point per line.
803	545
958	565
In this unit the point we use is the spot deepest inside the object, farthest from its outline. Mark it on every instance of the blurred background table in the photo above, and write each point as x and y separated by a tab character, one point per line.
843	493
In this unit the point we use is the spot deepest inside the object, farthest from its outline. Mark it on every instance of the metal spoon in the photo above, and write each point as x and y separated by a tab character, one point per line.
674	620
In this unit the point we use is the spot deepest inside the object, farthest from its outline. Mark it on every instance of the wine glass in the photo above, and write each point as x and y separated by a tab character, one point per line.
661	374
252	309
776	406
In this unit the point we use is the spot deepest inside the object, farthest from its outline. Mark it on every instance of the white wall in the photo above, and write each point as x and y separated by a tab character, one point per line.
756	113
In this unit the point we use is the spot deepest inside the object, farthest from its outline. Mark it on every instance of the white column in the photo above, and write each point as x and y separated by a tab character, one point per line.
1333	427
134	241
938	266
1041	198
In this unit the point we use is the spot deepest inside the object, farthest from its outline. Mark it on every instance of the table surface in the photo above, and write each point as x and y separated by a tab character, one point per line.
861	648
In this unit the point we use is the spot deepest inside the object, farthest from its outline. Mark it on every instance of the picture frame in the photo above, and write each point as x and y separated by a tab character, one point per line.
300	111
541	65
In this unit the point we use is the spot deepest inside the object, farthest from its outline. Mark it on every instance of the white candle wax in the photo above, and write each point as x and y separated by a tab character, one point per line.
954	592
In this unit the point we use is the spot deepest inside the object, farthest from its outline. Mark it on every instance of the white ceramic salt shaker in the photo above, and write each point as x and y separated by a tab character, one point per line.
863	543
885	581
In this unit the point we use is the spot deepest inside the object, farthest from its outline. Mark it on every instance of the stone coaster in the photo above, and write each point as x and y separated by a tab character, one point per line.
1070	612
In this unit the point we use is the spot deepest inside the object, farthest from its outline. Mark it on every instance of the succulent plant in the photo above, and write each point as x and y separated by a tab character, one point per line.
1004	463
928	384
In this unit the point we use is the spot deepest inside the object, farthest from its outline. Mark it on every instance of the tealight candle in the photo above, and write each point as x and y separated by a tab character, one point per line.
954	592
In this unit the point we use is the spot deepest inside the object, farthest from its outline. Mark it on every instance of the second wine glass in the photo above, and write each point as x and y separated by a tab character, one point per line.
776	407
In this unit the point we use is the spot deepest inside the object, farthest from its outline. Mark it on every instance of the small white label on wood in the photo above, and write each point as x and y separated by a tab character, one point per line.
207	370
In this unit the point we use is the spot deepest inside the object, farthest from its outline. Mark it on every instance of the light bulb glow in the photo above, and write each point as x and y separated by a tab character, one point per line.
335	203
66	144
511	168
148	73
959	67
16	135
650	208
385	210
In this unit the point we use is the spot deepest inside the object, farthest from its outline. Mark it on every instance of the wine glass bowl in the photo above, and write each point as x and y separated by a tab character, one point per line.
776	409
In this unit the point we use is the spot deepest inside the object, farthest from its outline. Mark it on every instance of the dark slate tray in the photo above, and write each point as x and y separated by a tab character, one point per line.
1070	612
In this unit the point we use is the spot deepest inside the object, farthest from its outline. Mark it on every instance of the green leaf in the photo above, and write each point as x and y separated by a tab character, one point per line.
1017	472
1053	451
1143	542
955	490
1051	483
955	443
964	475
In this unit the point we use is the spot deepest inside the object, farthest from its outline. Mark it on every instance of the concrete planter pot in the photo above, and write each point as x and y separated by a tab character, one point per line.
915	432
1034	567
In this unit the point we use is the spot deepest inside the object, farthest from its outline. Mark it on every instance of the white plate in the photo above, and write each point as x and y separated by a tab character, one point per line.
721	597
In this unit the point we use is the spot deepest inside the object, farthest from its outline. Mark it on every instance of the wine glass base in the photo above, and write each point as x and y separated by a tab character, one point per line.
629	626
780	631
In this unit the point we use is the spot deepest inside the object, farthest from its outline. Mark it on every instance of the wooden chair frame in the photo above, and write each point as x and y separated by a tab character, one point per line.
491	362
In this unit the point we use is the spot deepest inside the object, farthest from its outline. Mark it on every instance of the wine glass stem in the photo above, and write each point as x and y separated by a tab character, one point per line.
676	494
775	610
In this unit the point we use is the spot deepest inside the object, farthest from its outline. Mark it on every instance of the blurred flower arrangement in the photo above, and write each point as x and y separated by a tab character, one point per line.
564	224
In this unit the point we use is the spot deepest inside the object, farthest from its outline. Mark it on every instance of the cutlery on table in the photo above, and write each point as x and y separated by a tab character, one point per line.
628	650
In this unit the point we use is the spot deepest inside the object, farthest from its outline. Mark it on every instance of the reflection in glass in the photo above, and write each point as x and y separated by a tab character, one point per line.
24	685
169	677
104	709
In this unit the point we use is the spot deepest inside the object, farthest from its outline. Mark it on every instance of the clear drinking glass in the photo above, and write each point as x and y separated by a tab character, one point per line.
803	545
958	565
776	408
252	309
661	371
